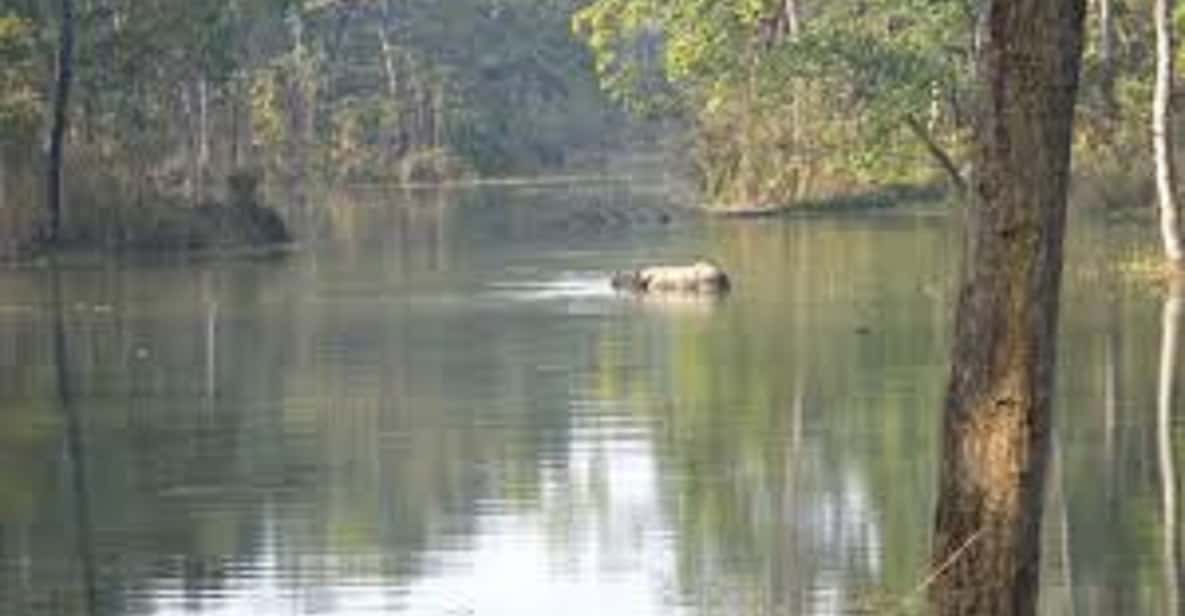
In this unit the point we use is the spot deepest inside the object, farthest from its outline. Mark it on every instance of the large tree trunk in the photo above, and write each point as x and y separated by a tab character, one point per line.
996	419
1162	140
57	133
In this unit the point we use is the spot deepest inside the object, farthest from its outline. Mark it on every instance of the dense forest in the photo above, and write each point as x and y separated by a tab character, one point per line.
171	97
795	100
766	103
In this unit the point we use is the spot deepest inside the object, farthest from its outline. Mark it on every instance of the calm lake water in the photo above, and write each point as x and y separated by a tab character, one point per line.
448	412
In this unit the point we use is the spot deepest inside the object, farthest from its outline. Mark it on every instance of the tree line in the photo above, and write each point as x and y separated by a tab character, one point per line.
171	96
795	100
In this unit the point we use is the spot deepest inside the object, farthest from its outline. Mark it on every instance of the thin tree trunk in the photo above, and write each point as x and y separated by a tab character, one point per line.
389	68
940	156
1107	57
792	16
4	209
301	106
190	141
57	134
438	116
203	137
750	193
1170	335
334	48
1162	141
235	95
423	135
388	51
996	418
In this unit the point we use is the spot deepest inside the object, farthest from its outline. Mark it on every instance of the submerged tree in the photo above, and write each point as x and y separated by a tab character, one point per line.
996	420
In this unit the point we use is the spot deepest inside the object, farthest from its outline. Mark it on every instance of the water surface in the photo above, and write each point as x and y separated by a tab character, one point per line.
447	412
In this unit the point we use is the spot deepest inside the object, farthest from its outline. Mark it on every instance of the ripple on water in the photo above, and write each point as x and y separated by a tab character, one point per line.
566	286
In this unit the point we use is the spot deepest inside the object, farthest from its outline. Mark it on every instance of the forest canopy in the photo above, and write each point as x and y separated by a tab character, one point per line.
794	100
171	95
761	103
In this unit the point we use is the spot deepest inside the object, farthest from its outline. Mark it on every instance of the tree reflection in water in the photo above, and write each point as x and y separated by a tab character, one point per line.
75	443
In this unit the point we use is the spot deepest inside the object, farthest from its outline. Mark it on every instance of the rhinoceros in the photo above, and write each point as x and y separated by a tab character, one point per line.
699	277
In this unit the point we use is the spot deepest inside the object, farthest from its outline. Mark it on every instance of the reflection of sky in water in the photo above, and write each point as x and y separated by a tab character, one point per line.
596	544
843	521
598	541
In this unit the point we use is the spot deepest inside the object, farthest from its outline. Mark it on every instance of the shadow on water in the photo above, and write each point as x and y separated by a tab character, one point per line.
75	445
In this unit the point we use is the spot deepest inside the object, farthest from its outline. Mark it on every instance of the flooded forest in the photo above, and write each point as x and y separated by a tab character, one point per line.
351	307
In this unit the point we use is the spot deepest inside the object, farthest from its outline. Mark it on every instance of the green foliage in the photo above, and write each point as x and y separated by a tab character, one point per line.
765	99
310	89
786	117
20	96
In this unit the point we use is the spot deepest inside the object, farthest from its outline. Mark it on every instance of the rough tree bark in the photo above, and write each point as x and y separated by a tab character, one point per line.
996	417
1162	142
57	133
